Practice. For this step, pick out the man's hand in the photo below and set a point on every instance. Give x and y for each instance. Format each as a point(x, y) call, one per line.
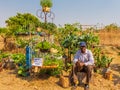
point(78, 63)
point(81, 64)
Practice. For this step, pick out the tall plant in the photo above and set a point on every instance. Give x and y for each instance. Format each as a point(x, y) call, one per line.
point(90, 38)
point(70, 42)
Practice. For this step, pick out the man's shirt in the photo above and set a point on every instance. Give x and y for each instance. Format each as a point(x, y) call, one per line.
point(86, 57)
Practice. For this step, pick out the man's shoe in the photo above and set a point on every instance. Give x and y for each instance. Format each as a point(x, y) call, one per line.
point(86, 87)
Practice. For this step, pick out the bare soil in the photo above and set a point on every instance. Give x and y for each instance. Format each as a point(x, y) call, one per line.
point(9, 80)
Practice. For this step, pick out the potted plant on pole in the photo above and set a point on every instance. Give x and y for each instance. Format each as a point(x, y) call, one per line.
point(46, 5)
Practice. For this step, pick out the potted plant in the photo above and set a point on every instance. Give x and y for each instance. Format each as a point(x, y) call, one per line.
point(44, 46)
point(46, 5)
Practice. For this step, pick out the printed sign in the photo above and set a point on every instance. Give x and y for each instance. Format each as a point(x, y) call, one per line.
point(38, 62)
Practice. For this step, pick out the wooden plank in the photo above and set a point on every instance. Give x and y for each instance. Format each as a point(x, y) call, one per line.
point(46, 67)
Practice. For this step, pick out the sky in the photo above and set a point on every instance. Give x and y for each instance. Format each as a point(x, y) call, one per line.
point(85, 12)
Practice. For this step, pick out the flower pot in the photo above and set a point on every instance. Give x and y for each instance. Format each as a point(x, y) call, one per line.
point(44, 50)
point(45, 9)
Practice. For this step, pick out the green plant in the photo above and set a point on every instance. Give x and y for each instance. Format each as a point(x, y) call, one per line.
point(46, 3)
point(44, 45)
point(19, 58)
point(90, 38)
point(50, 61)
point(70, 42)
point(4, 55)
point(103, 61)
point(23, 71)
point(22, 43)
point(58, 48)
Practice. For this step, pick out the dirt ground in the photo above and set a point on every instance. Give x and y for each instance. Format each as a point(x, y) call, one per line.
point(10, 81)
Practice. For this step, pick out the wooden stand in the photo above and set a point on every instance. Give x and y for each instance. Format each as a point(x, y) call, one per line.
point(36, 69)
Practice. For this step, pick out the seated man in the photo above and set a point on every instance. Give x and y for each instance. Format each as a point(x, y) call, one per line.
point(83, 62)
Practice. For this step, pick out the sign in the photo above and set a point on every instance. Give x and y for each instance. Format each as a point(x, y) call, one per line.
point(38, 62)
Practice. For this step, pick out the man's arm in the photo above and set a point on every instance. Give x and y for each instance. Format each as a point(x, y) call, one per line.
point(76, 57)
point(90, 58)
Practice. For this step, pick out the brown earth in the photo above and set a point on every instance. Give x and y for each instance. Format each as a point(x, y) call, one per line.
point(10, 81)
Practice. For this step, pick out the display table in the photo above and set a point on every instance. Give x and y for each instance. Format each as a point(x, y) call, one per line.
point(38, 68)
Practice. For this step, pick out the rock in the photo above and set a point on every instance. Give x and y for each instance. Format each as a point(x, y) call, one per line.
point(35, 87)
point(64, 81)
point(100, 80)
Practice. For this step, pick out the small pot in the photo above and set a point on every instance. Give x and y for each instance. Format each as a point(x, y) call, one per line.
point(45, 9)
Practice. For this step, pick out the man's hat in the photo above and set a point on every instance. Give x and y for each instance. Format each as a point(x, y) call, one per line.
point(82, 44)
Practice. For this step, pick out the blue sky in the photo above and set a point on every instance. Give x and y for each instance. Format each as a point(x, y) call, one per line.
point(67, 11)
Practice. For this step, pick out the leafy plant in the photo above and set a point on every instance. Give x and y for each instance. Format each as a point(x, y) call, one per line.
point(50, 61)
point(19, 58)
point(89, 38)
point(22, 23)
point(46, 3)
point(4, 55)
point(70, 42)
point(22, 43)
point(58, 48)
point(23, 71)
point(44, 45)
point(103, 61)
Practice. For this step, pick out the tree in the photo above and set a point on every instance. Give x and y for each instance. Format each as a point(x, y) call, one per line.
point(70, 42)
point(70, 28)
point(62, 32)
point(22, 23)
point(111, 27)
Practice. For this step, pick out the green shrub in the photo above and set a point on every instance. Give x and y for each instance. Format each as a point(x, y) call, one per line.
point(19, 58)
point(103, 61)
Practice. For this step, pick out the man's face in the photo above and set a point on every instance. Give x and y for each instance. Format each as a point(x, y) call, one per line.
point(83, 49)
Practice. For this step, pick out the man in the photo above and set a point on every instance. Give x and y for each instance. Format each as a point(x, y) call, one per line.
point(83, 62)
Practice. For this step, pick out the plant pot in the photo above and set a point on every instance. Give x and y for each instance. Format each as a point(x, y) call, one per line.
point(45, 9)
point(44, 50)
